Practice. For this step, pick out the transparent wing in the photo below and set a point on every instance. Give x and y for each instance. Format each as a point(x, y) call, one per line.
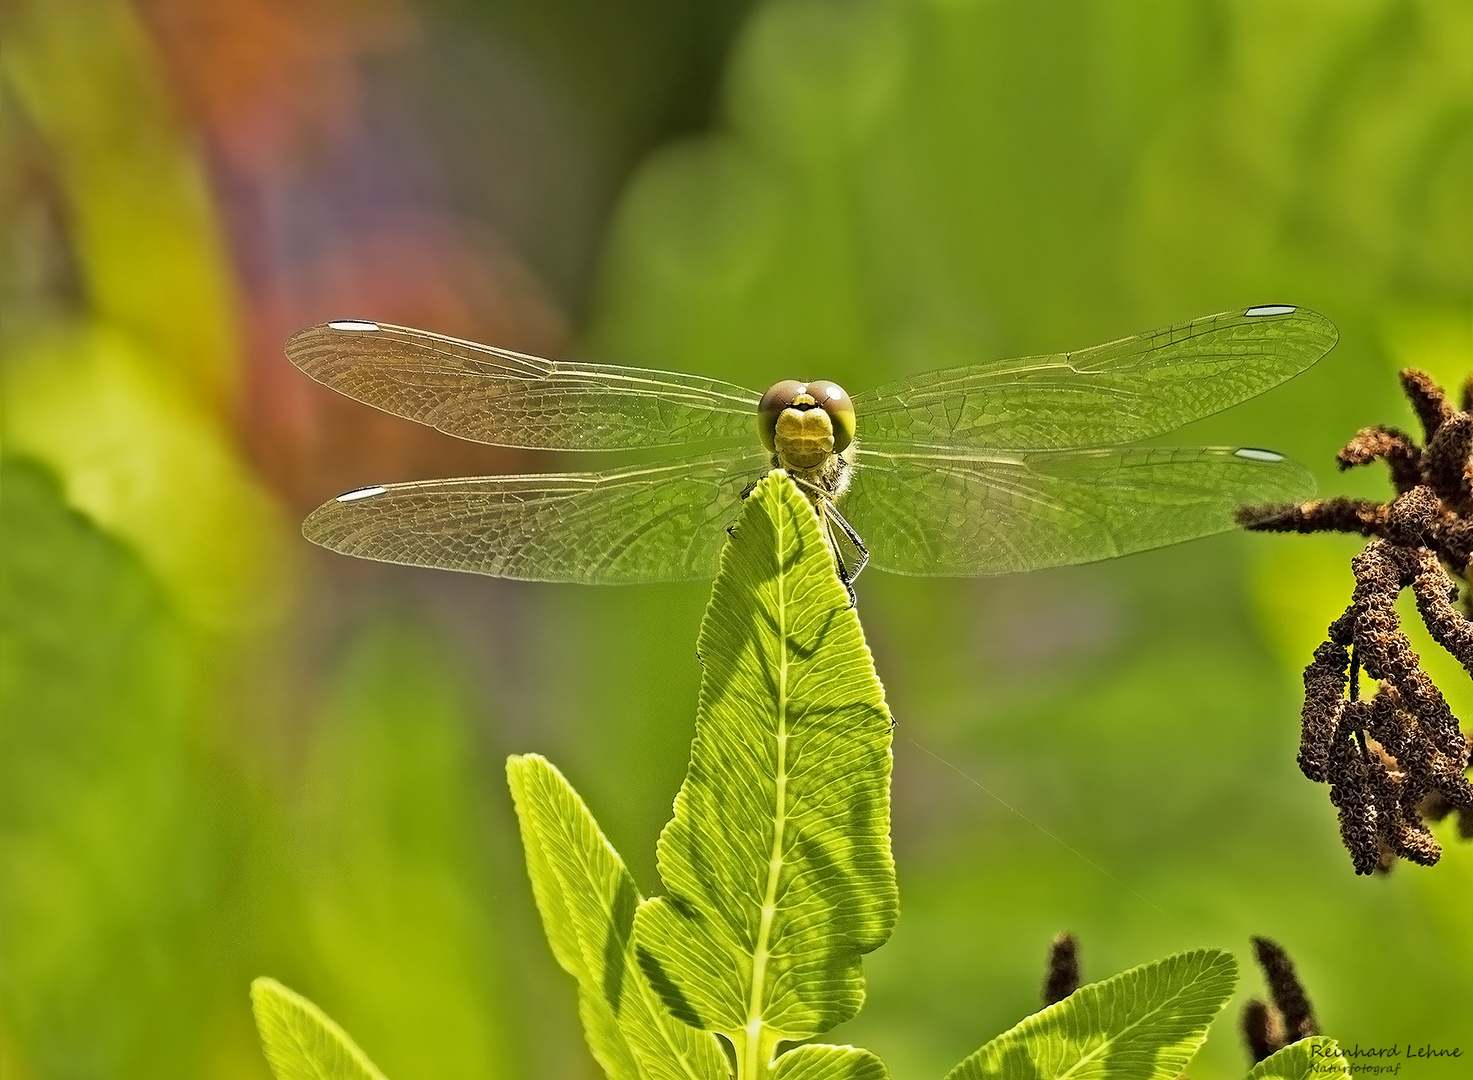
point(660, 523)
point(943, 512)
point(505, 398)
point(1104, 396)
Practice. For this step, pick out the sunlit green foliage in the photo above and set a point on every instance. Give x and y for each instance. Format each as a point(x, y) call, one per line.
point(588, 900)
point(139, 455)
point(1145, 1023)
point(109, 878)
point(885, 188)
point(301, 1041)
point(1315, 1057)
point(817, 1062)
point(777, 861)
point(778, 856)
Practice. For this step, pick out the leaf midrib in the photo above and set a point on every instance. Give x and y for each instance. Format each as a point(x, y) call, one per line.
point(760, 956)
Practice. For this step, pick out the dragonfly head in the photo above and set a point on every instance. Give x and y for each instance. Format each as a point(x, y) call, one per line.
point(803, 423)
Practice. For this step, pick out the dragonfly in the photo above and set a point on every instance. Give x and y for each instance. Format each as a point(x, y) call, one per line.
point(991, 468)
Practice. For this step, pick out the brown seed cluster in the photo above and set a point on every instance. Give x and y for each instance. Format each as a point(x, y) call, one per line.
point(1062, 976)
point(1398, 759)
point(1287, 1017)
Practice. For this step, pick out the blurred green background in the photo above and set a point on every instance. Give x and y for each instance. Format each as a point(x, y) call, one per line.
point(226, 754)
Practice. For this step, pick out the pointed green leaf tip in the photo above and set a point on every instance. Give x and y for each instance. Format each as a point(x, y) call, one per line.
point(1145, 1023)
point(777, 861)
point(1315, 1058)
point(587, 900)
point(301, 1041)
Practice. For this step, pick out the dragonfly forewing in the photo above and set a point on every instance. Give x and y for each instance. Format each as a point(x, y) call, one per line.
point(987, 469)
point(943, 512)
point(1108, 395)
point(505, 398)
point(642, 524)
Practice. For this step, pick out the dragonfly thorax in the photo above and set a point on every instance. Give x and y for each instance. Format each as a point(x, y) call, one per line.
point(804, 424)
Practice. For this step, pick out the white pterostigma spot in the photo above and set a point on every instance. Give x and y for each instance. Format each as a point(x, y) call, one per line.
point(352, 324)
point(1247, 453)
point(1272, 309)
point(362, 493)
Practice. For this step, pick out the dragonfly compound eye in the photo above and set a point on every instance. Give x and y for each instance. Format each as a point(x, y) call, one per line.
point(833, 400)
point(780, 397)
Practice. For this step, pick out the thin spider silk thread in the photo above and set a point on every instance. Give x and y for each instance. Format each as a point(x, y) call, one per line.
point(1056, 839)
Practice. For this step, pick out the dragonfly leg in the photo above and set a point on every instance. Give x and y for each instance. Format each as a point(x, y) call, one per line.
point(845, 578)
point(832, 512)
point(831, 518)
